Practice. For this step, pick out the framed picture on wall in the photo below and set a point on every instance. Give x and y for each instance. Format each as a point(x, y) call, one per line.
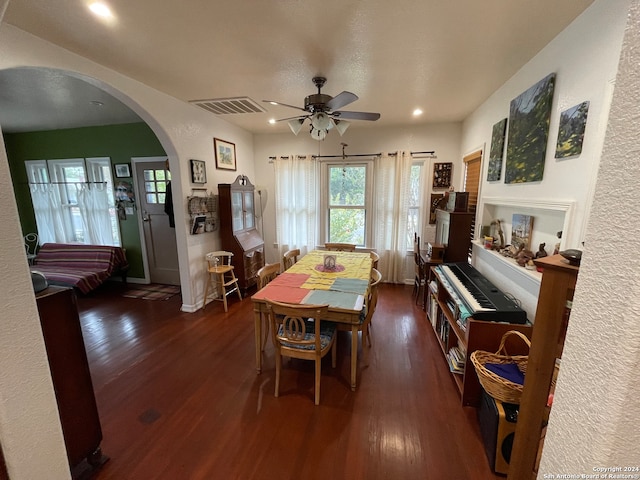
point(442, 175)
point(225, 154)
point(122, 170)
point(198, 171)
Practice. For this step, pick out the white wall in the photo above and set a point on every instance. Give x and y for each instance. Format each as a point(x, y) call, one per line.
point(443, 138)
point(185, 131)
point(585, 59)
point(594, 420)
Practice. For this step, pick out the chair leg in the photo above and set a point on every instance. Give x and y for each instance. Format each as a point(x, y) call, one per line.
point(334, 349)
point(206, 291)
point(278, 368)
point(224, 293)
point(318, 373)
point(238, 290)
point(266, 333)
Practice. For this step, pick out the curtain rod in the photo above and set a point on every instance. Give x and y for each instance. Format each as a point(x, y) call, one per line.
point(63, 183)
point(428, 154)
point(350, 155)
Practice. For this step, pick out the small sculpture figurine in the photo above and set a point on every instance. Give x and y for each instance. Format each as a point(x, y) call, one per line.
point(524, 256)
point(541, 251)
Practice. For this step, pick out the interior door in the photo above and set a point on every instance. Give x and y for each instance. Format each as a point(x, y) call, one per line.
point(159, 238)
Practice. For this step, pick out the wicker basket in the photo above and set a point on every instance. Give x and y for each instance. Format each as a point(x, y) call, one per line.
point(498, 387)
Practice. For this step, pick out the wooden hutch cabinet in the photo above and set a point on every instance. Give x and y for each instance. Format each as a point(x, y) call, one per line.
point(453, 229)
point(238, 229)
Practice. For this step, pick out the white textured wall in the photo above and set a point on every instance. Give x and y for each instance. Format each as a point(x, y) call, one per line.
point(595, 417)
point(184, 130)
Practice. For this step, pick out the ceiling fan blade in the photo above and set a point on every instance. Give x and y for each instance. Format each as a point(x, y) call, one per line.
point(342, 99)
point(291, 118)
point(357, 115)
point(272, 102)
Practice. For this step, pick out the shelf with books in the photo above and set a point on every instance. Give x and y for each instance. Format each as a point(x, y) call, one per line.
point(458, 337)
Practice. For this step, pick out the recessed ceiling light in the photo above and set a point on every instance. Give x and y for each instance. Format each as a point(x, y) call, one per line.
point(101, 9)
point(272, 121)
point(417, 112)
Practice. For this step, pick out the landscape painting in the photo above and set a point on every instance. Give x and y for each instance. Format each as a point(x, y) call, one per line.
point(497, 150)
point(571, 131)
point(529, 116)
point(521, 226)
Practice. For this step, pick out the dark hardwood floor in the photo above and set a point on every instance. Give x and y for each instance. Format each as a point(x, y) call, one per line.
point(179, 398)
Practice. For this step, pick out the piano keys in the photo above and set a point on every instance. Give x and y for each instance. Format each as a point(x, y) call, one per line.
point(480, 297)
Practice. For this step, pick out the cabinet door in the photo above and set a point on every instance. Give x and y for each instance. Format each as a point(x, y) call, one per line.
point(249, 218)
point(237, 214)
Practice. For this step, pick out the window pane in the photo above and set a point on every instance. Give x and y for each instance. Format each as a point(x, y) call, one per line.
point(414, 186)
point(347, 185)
point(161, 197)
point(149, 186)
point(148, 175)
point(151, 198)
point(412, 226)
point(160, 175)
point(347, 225)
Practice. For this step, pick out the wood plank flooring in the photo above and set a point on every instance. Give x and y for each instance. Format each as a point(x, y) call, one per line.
point(179, 398)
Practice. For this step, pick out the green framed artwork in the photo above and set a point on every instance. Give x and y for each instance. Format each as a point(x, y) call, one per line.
point(571, 131)
point(529, 116)
point(497, 150)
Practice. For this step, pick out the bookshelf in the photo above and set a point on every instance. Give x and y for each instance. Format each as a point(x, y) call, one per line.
point(556, 290)
point(456, 336)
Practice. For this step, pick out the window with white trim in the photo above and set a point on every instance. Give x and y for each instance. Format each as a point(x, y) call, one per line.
point(415, 210)
point(347, 201)
point(73, 200)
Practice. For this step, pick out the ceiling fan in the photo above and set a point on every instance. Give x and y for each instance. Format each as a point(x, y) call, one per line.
point(323, 111)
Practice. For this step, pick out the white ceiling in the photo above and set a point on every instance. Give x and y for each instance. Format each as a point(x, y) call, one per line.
point(445, 57)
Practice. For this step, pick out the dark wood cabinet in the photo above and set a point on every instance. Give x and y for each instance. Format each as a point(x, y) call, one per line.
point(71, 376)
point(453, 229)
point(238, 231)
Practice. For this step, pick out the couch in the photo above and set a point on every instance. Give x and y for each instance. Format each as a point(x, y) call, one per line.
point(84, 267)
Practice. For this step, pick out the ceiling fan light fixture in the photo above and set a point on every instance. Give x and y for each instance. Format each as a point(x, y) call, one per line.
point(341, 126)
point(318, 134)
point(321, 121)
point(296, 125)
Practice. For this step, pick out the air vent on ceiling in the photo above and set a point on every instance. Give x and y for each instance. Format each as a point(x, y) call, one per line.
point(225, 106)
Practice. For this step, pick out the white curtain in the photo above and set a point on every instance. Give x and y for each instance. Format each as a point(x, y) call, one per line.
point(391, 197)
point(52, 226)
point(93, 203)
point(297, 199)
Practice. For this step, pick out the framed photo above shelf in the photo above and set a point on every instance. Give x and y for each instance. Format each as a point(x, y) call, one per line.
point(122, 170)
point(225, 154)
point(198, 171)
point(442, 175)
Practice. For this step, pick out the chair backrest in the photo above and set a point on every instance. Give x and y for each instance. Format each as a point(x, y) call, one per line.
point(375, 258)
point(267, 273)
point(290, 257)
point(340, 247)
point(372, 297)
point(293, 319)
point(31, 243)
point(219, 258)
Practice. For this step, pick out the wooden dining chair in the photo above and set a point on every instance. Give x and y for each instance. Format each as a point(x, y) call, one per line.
point(375, 258)
point(298, 332)
point(290, 258)
point(220, 268)
point(340, 247)
point(367, 312)
point(265, 275)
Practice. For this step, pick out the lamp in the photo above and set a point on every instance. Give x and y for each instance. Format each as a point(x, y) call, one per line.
point(317, 134)
point(296, 125)
point(321, 121)
point(341, 126)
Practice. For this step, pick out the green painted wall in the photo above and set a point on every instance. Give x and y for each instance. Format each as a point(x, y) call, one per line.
point(119, 142)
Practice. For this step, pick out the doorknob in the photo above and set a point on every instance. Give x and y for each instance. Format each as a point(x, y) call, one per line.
point(145, 216)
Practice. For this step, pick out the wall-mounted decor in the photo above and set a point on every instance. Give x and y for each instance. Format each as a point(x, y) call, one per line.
point(124, 191)
point(436, 200)
point(122, 170)
point(571, 131)
point(529, 116)
point(225, 154)
point(497, 150)
point(198, 171)
point(521, 228)
point(442, 175)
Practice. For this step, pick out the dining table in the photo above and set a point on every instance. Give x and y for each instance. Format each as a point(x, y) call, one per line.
point(337, 279)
